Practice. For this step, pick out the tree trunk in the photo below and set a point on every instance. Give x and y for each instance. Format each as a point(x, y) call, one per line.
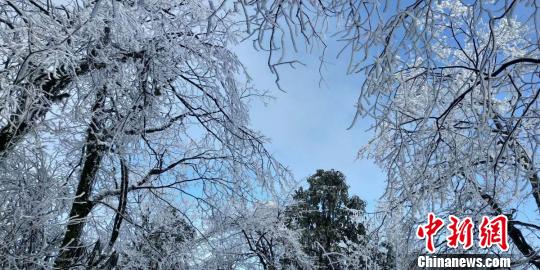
point(81, 207)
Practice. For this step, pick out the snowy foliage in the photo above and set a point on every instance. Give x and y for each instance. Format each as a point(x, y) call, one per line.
point(454, 95)
point(333, 226)
point(124, 125)
point(111, 105)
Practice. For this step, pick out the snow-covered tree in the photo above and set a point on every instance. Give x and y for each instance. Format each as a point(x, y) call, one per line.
point(333, 225)
point(111, 106)
point(454, 94)
point(108, 105)
point(269, 239)
point(164, 240)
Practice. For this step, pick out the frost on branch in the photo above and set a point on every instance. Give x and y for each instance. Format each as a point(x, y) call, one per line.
point(454, 94)
point(108, 106)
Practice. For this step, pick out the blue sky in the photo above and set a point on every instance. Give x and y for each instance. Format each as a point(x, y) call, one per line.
point(307, 124)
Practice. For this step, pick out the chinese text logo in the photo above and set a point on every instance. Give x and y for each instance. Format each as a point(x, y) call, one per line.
point(492, 232)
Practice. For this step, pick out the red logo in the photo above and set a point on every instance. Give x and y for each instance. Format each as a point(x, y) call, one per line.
point(491, 232)
point(494, 232)
point(429, 230)
point(460, 232)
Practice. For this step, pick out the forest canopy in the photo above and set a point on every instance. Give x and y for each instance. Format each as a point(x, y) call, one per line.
point(125, 134)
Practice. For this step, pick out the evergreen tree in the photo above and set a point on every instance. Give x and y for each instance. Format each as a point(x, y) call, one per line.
point(331, 225)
